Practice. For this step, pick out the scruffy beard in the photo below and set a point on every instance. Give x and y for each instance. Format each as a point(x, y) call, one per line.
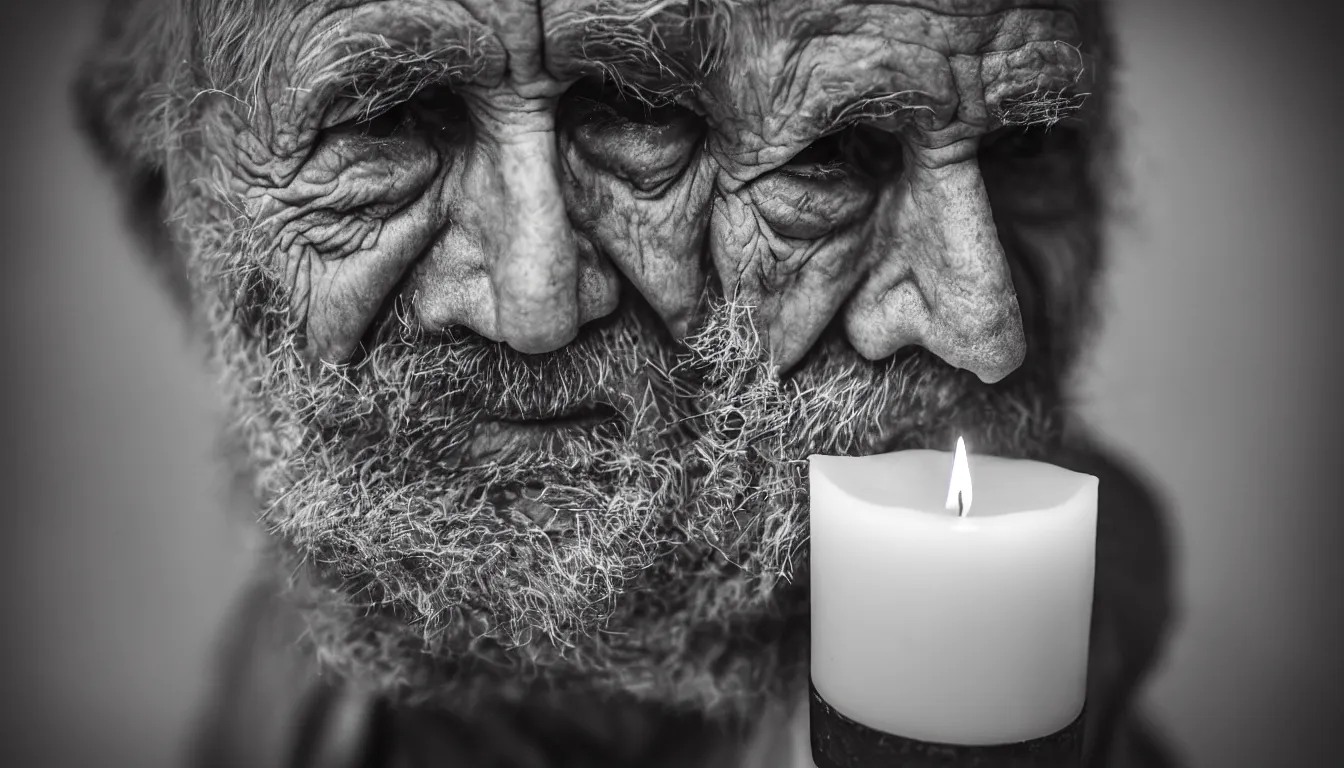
point(659, 554)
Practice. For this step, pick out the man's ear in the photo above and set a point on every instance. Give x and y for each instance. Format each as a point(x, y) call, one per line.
point(122, 96)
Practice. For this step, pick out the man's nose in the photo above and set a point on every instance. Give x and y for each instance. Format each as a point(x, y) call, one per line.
point(535, 275)
point(944, 281)
point(509, 264)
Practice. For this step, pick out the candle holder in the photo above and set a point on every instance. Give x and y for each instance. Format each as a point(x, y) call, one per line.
point(839, 742)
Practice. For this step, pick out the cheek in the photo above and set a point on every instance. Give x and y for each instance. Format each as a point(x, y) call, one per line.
point(339, 203)
point(796, 285)
point(655, 240)
point(809, 209)
point(341, 234)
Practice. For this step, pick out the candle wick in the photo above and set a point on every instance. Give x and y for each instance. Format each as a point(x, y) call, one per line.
point(961, 507)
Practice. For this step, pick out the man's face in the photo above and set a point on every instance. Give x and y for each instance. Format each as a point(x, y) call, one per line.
point(529, 312)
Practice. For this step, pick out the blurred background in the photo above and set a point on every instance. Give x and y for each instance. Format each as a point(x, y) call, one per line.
point(1217, 370)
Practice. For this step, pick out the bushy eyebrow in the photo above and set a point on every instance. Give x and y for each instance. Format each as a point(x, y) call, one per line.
point(375, 69)
point(874, 106)
point(1042, 107)
point(376, 73)
point(656, 50)
point(1038, 84)
point(361, 60)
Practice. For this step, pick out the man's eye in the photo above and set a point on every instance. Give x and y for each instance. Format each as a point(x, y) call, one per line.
point(824, 158)
point(647, 145)
point(442, 110)
point(857, 150)
point(600, 101)
point(1030, 142)
point(432, 110)
point(383, 125)
point(1035, 171)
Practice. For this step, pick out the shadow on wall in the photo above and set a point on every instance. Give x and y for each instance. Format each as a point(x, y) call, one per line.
point(1219, 365)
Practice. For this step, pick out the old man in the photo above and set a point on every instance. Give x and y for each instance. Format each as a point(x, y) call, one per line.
point(525, 313)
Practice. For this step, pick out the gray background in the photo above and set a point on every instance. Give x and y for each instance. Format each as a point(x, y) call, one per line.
point(1217, 369)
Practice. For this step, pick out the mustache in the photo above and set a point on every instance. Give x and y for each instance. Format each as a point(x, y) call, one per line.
point(613, 362)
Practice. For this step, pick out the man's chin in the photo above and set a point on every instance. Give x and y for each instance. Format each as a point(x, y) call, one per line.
point(715, 654)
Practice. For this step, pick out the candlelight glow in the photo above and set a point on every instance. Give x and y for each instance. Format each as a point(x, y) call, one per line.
point(959, 487)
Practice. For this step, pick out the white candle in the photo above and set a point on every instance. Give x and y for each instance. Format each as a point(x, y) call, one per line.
point(959, 629)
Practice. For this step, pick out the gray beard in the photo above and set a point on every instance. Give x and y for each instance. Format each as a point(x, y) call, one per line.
point(660, 555)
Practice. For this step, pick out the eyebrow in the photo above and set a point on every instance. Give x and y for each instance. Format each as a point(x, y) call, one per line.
point(890, 79)
point(1042, 107)
point(376, 71)
point(657, 50)
point(1040, 83)
point(876, 106)
point(1037, 84)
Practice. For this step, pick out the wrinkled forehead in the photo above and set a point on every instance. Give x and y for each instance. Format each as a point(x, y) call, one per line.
point(676, 43)
point(696, 33)
point(945, 57)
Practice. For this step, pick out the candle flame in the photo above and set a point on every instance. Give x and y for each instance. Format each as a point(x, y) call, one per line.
point(959, 487)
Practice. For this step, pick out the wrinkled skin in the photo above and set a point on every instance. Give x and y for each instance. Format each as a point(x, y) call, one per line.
point(526, 312)
point(511, 205)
